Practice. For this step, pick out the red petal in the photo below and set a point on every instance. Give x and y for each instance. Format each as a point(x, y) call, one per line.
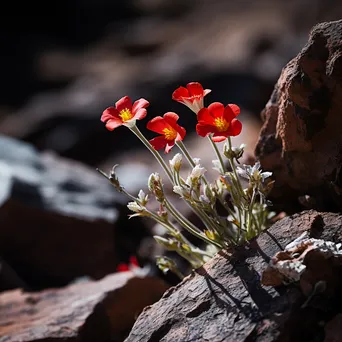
point(181, 133)
point(139, 104)
point(157, 124)
point(218, 137)
point(109, 113)
point(216, 109)
point(171, 118)
point(169, 146)
point(113, 123)
point(158, 142)
point(235, 108)
point(195, 89)
point(122, 268)
point(204, 116)
point(123, 103)
point(179, 93)
point(141, 113)
point(235, 128)
point(204, 130)
point(228, 114)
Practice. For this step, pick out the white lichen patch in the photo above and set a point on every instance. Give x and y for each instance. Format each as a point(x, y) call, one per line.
point(290, 262)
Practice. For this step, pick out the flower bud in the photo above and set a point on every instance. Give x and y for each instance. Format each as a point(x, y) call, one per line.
point(196, 173)
point(182, 192)
point(217, 165)
point(165, 264)
point(169, 244)
point(113, 178)
point(156, 187)
point(143, 198)
point(135, 207)
point(176, 162)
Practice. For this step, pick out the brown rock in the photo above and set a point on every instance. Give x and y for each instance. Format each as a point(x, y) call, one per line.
point(59, 220)
point(333, 329)
point(89, 311)
point(225, 301)
point(301, 139)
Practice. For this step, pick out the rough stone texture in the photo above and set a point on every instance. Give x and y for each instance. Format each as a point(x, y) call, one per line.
point(59, 219)
point(301, 139)
point(98, 311)
point(225, 301)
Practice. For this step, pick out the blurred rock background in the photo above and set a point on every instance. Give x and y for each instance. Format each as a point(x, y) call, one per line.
point(62, 64)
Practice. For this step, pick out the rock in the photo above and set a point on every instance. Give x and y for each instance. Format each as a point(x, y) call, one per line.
point(60, 220)
point(225, 301)
point(300, 141)
point(88, 311)
point(333, 329)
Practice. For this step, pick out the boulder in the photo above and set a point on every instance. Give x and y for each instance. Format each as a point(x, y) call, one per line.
point(225, 300)
point(59, 220)
point(301, 141)
point(88, 311)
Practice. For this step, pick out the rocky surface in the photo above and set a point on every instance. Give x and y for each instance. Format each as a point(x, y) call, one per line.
point(89, 311)
point(300, 140)
point(225, 301)
point(59, 220)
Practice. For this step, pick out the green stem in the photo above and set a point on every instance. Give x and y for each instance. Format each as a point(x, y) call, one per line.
point(232, 165)
point(160, 160)
point(188, 157)
point(218, 154)
point(188, 225)
point(250, 213)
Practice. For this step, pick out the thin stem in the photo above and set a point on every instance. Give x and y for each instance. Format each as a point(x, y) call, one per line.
point(232, 165)
point(218, 154)
point(161, 161)
point(188, 157)
point(250, 213)
point(188, 225)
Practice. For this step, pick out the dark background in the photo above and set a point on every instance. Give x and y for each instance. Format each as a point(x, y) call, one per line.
point(62, 63)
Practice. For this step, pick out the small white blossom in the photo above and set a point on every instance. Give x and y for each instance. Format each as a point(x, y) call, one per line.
point(197, 172)
point(179, 190)
point(143, 198)
point(196, 160)
point(176, 162)
point(253, 173)
point(135, 207)
point(217, 165)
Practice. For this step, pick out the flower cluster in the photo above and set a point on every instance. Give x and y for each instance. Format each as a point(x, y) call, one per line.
point(246, 209)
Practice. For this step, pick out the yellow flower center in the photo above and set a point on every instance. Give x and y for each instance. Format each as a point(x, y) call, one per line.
point(126, 115)
point(221, 124)
point(170, 133)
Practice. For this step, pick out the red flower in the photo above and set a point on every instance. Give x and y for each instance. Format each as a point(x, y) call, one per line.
point(219, 120)
point(168, 128)
point(133, 263)
point(124, 113)
point(191, 96)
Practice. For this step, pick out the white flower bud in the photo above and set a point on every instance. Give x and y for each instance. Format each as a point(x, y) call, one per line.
point(176, 162)
point(135, 207)
point(143, 198)
point(196, 160)
point(217, 165)
point(197, 172)
point(177, 189)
